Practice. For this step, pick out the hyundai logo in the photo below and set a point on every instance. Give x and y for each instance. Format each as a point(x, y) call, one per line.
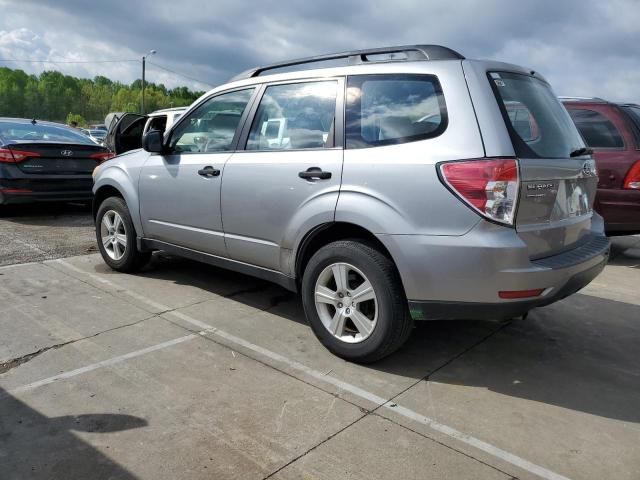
point(66, 153)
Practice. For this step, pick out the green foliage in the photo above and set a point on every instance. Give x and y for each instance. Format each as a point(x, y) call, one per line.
point(79, 119)
point(53, 96)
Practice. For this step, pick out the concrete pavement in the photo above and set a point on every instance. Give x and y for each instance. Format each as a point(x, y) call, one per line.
point(187, 371)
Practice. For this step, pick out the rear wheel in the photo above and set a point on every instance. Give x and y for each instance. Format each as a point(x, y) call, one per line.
point(116, 237)
point(353, 299)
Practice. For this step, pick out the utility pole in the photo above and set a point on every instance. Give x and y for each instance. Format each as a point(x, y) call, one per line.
point(144, 59)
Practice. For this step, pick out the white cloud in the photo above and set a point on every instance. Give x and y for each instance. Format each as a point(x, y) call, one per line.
point(584, 47)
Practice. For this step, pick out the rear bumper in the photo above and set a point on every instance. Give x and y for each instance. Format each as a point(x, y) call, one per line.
point(432, 310)
point(620, 210)
point(17, 187)
point(461, 277)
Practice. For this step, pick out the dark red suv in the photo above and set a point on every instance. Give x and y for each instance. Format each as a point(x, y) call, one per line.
point(613, 132)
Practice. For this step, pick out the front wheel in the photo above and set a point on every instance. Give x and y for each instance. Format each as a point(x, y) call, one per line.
point(354, 301)
point(116, 237)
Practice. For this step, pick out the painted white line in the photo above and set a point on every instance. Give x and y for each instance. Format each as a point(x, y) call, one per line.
point(357, 391)
point(155, 305)
point(95, 366)
point(477, 443)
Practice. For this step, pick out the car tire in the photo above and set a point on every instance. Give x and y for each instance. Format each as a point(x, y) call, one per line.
point(116, 237)
point(331, 308)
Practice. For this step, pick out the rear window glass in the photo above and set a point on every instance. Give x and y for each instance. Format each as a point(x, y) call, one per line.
point(393, 109)
point(539, 125)
point(596, 129)
point(28, 132)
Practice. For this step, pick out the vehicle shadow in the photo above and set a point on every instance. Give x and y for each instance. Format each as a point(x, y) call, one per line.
point(33, 445)
point(44, 214)
point(580, 353)
point(625, 251)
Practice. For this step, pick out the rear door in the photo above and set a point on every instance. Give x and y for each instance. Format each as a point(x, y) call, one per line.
point(289, 174)
point(558, 180)
point(180, 191)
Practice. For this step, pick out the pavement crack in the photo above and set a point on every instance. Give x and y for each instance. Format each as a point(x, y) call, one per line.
point(427, 437)
point(16, 362)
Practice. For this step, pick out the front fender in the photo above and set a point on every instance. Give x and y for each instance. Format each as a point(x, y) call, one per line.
point(119, 178)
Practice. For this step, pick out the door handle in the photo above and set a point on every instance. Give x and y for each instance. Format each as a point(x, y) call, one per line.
point(314, 172)
point(209, 171)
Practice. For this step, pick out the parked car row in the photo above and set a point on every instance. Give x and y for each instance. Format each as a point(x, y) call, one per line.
point(386, 186)
point(45, 161)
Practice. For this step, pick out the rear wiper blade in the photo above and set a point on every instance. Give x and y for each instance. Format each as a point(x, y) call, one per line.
point(581, 151)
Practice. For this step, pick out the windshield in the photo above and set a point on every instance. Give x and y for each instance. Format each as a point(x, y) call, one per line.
point(539, 125)
point(28, 132)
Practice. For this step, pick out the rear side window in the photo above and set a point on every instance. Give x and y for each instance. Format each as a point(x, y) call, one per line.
point(393, 109)
point(633, 112)
point(596, 129)
point(295, 116)
point(538, 124)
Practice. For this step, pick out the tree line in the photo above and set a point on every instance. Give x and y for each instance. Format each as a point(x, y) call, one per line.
point(58, 97)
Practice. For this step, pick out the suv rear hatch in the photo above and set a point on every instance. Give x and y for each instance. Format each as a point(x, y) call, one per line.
point(558, 179)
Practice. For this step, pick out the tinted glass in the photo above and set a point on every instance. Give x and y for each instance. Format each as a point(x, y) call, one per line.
point(295, 116)
point(596, 129)
point(392, 109)
point(539, 125)
point(27, 132)
point(634, 113)
point(212, 126)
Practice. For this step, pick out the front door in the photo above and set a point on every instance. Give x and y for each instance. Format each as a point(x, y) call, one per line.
point(180, 191)
point(288, 175)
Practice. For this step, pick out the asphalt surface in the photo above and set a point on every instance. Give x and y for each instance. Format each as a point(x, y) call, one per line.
point(30, 233)
point(188, 371)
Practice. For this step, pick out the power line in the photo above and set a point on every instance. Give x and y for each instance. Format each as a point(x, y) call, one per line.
point(179, 74)
point(65, 61)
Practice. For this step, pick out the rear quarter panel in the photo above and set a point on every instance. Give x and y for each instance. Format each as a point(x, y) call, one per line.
point(395, 189)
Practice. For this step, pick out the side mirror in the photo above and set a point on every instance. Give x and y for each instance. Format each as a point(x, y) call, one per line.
point(152, 141)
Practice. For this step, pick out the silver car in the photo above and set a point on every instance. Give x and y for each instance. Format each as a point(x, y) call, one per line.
point(386, 186)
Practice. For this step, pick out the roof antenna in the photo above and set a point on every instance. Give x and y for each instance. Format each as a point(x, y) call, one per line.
point(33, 122)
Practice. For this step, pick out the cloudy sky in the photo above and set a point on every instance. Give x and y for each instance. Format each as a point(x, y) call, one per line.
point(584, 47)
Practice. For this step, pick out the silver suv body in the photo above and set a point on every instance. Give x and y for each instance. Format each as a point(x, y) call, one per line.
point(409, 183)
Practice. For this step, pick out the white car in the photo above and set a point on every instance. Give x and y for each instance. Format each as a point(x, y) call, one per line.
point(127, 129)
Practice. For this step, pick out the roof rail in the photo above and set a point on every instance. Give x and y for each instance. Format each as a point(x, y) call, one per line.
point(578, 99)
point(356, 57)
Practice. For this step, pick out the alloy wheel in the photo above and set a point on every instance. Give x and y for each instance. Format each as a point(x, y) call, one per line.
point(346, 302)
point(114, 235)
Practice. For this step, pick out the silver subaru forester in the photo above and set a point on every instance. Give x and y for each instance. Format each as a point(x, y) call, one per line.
point(386, 185)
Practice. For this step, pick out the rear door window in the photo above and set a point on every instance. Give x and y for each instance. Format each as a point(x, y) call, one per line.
point(393, 109)
point(295, 116)
point(596, 129)
point(538, 124)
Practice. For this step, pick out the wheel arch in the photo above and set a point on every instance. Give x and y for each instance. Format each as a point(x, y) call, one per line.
point(326, 233)
point(116, 182)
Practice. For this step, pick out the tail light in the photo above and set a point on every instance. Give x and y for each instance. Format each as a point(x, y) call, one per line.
point(632, 180)
point(102, 156)
point(488, 185)
point(8, 155)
